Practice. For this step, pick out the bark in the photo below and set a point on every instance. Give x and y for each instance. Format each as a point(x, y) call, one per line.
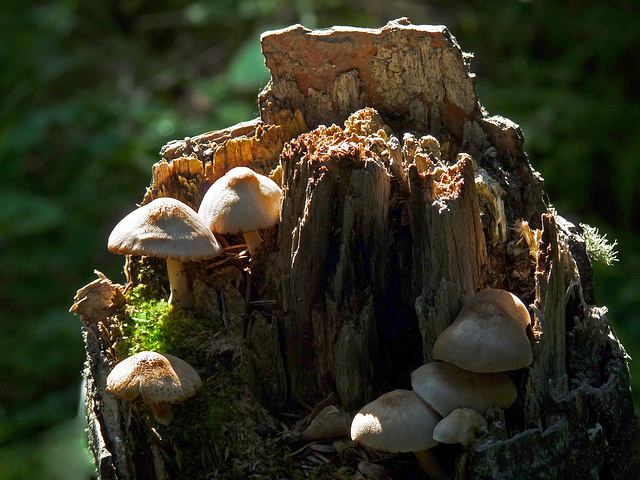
point(401, 200)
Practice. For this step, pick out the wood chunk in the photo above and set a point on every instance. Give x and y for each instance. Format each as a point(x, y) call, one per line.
point(415, 74)
point(548, 373)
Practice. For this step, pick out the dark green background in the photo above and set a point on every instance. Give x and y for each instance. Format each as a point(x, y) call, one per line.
point(91, 90)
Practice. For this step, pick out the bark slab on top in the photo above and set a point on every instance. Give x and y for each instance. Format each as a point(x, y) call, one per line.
point(413, 74)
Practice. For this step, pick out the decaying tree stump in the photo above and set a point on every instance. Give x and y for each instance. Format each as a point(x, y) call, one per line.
point(402, 198)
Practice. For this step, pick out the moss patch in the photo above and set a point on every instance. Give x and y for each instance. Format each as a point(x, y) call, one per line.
point(222, 424)
point(142, 328)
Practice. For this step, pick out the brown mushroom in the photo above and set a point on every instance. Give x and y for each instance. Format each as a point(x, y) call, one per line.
point(488, 335)
point(459, 426)
point(446, 387)
point(398, 421)
point(169, 229)
point(329, 423)
point(161, 379)
point(242, 201)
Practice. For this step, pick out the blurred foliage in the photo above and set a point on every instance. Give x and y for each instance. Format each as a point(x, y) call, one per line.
point(90, 91)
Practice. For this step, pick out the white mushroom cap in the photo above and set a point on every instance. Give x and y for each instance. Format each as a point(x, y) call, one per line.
point(398, 421)
point(459, 426)
point(159, 378)
point(489, 334)
point(446, 387)
point(165, 228)
point(241, 201)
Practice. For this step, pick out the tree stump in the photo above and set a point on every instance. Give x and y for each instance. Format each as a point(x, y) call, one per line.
point(402, 198)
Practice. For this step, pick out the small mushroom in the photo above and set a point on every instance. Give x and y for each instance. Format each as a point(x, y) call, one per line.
point(161, 379)
point(459, 426)
point(398, 421)
point(169, 229)
point(488, 335)
point(329, 423)
point(446, 387)
point(242, 201)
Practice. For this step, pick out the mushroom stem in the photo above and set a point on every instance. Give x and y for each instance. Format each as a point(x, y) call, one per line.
point(430, 465)
point(253, 240)
point(163, 411)
point(179, 284)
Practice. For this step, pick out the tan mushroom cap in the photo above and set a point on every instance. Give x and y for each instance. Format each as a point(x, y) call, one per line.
point(398, 421)
point(329, 423)
point(489, 334)
point(165, 228)
point(459, 426)
point(241, 201)
point(446, 387)
point(159, 378)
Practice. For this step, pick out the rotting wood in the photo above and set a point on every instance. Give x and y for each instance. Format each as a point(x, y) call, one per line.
point(547, 375)
point(97, 305)
point(383, 235)
point(451, 252)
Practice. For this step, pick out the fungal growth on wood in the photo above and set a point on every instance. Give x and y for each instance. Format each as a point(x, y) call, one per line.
point(399, 200)
point(398, 421)
point(488, 335)
point(242, 201)
point(169, 229)
point(160, 379)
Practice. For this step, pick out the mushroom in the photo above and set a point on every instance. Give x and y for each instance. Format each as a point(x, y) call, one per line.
point(488, 335)
point(169, 229)
point(459, 426)
point(398, 421)
point(446, 387)
point(329, 423)
point(242, 201)
point(161, 379)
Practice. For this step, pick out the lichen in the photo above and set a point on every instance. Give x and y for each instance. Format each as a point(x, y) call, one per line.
point(598, 246)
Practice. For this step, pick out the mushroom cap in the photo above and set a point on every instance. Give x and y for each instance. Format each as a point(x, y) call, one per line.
point(158, 377)
point(459, 426)
point(489, 334)
point(329, 423)
point(446, 387)
point(164, 228)
point(241, 201)
point(398, 421)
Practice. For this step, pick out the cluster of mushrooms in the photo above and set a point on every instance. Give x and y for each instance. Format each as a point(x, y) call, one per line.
point(451, 395)
point(242, 201)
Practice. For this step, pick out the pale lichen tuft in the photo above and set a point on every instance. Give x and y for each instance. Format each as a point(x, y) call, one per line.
point(598, 247)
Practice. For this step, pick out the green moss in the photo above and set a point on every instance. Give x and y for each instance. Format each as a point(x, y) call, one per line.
point(218, 412)
point(219, 425)
point(203, 420)
point(211, 420)
point(152, 324)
